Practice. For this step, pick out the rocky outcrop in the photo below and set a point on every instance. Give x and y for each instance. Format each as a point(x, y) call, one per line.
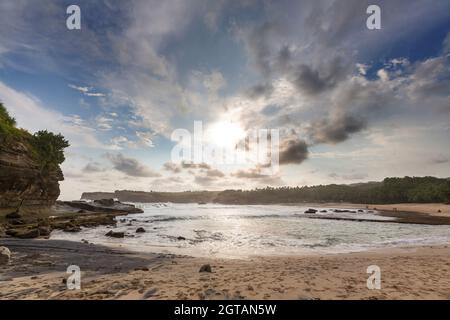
point(5, 255)
point(114, 234)
point(22, 181)
point(104, 205)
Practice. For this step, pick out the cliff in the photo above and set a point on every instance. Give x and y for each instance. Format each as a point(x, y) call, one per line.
point(29, 165)
point(23, 180)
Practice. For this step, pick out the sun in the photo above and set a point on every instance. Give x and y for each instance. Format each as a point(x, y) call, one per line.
point(225, 134)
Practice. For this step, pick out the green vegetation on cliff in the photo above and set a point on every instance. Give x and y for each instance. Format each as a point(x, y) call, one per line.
point(47, 147)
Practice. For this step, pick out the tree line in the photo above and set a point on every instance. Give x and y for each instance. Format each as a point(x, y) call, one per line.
point(390, 190)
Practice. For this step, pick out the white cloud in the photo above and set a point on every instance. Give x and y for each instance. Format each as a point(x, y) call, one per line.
point(383, 75)
point(86, 91)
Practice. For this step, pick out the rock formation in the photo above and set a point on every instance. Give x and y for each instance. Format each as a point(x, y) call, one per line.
point(22, 181)
point(29, 166)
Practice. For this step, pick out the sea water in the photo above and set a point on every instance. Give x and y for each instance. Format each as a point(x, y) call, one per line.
point(241, 231)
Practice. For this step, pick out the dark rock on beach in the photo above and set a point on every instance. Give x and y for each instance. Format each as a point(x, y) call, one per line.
point(115, 234)
point(44, 231)
point(140, 230)
point(311, 210)
point(28, 234)
point(108, 205)
point(205, 268)
point(72, 228)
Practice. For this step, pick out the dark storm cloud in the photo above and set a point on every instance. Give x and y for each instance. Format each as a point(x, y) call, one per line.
point(293, 151)
point(315, 81)
point(260, 90)
point(130, 166)
point(336, 130)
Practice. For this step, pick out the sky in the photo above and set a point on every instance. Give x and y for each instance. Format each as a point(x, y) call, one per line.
point(350, 104)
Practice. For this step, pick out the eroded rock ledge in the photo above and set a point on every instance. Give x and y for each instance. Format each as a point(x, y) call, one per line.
point(69, 216)
point(23, 182)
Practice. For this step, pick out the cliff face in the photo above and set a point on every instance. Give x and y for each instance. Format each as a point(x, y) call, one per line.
point(21, 178)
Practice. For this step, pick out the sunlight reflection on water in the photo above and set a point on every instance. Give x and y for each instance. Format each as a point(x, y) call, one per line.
point(237, 231)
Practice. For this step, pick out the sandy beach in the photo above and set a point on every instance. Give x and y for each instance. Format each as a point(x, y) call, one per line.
point(434, 209)
point(406, 273)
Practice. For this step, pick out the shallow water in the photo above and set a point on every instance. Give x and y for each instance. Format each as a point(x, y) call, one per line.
point(239, 231)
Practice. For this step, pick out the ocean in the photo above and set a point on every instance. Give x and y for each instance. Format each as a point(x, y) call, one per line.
point(243, 231)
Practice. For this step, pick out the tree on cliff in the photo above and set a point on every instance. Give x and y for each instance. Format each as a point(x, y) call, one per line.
point(50, 147)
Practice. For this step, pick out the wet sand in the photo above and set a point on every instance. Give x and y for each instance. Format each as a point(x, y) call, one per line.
point(423, 208)
point(413, 213)
point(37, 271)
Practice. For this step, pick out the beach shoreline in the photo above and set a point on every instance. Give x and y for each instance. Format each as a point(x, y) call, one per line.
point(37, 270)
point(414, 272)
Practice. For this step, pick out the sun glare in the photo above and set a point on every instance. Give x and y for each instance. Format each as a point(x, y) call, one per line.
point(225, 133)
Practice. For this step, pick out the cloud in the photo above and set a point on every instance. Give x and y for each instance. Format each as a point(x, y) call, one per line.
point(95, 94)
point(257, 175)
point(215, 173)
point(130, 166)
point(178, 167)
point(205, 180)
point(191, 165)
point(104, 123)
point(260, 90)
point(315, 81)
point(293, 151)
point(336, 129)
point(383, 75)
point(170, 166)
point(446, 44)
point(351, 176)
point(81, 89)
point(93, 167)
point(145, 138)
point(440, 159)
